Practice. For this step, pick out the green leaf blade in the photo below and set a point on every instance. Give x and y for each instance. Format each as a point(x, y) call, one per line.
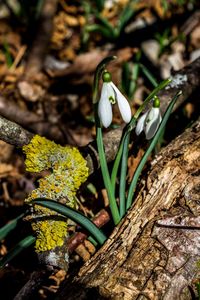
point(5, 230)
point(73, 215)
point(19, 247)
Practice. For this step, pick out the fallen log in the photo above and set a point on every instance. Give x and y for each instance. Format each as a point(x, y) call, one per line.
point(154, 253)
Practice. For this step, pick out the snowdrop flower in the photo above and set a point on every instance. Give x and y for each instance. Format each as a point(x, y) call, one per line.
point(111, 95)
point(150, 120)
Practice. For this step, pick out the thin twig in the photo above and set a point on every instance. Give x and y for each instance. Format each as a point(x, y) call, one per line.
point(13, 133)
point(38, 277)
point(78, 238)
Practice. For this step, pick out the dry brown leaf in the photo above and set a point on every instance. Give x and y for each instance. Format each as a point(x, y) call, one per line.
point(5, 151)
point(71, 20)
point(105, 197)
point(195, 37)
point(90, 247)
point(83, 252)
point(30, 91)
point(133, 163)
point(58, 278)
point(8, 170)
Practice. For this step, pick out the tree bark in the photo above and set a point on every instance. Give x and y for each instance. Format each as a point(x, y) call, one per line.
point(154, 253)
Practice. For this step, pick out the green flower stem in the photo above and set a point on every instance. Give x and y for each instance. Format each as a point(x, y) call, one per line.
point(151, 95)
point(122, 183)
point(134, 78)
point(134, 74)
point(106, 177)
point(116, 165)
point(99, 138)
point(73, 215)
point(148, 152)
point(119, 153)
point(97, 76)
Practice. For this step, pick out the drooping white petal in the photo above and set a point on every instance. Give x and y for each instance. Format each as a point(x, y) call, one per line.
point(105, 107)
point(140, 124)
point(160, 119)
point(152, 122)
point(123, 104)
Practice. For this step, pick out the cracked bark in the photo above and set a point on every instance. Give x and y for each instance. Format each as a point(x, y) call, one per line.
point(154, 252)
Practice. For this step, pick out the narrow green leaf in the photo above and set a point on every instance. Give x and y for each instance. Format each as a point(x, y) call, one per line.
point(198, 289)
point(134, 78)
point(5, 230)
point(118, 157)
point(122, 182)
point(129, 128)
point(162, 85)
point(93, 241)
point(149, 75)
point(125, 80)
point(106, 177)
point(100, 29)
point(100, 4)
point(125, 16)
point(108, 27)
point(73, 215)
point(148, 151)
point(38, 8)
point(116, 165)
point(92, 188)
point(19, 247)
point(8, 55)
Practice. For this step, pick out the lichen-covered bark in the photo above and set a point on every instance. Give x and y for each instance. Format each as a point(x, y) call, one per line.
point(13, 133)
point(154, 253)
point(187, 80)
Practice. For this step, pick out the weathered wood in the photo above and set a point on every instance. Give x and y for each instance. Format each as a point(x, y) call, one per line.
point(154, 253)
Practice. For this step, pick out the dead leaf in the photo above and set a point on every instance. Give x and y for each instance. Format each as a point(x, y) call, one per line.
point(8, 170)
point(5, 151)
point(30, 91)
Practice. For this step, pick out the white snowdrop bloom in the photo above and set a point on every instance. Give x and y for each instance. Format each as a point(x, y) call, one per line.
point(109, 96)
point(150, 121)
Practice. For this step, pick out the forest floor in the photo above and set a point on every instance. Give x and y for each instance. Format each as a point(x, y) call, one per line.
point(48, 57)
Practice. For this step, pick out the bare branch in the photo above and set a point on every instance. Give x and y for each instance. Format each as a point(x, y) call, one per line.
point(13, 133)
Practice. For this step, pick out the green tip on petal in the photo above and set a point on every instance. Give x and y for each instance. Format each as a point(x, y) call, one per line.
point(106, 76)
point(156, 102)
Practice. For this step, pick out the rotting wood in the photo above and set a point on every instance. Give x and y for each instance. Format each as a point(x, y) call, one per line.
point(154, 253)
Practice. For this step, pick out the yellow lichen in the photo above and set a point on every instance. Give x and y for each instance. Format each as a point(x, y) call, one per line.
point(50, 234)
point(68, 171)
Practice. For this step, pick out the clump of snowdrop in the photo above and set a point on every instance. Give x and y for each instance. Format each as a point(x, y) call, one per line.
point(110, 95)
point(150, 120)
